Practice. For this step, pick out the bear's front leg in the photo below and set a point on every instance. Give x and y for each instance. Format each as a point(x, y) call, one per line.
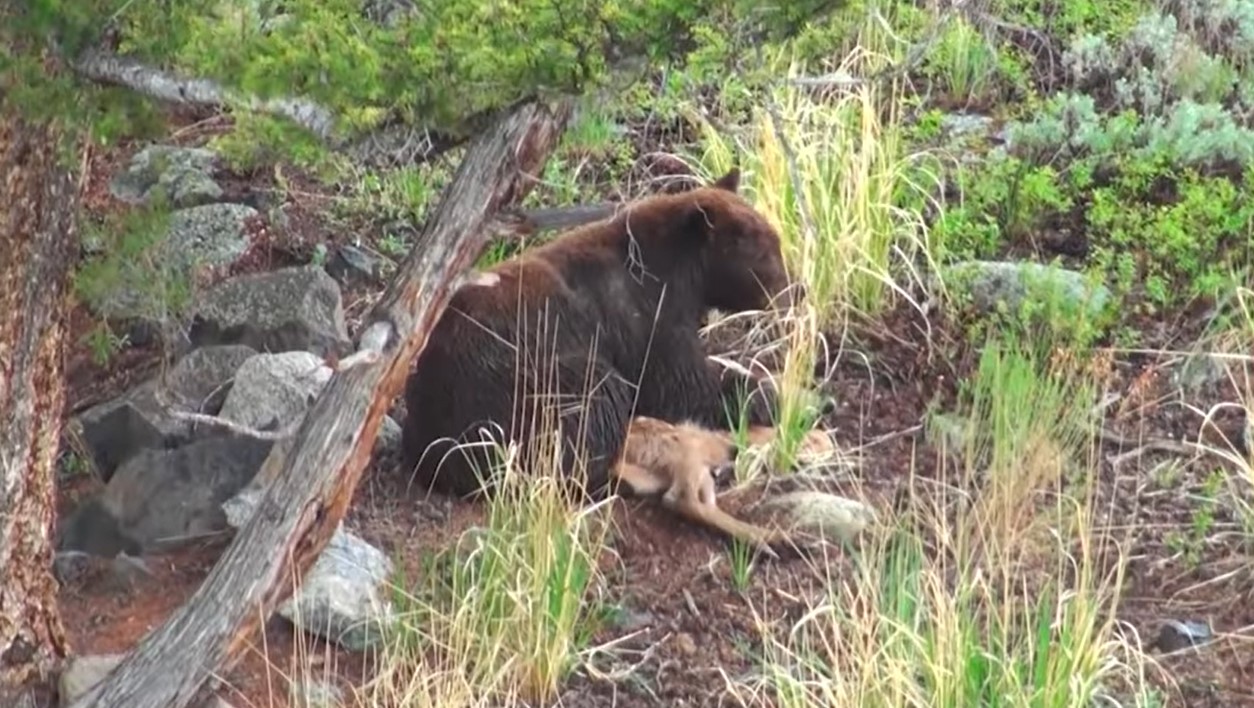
point(745, 398)
point(680, 384)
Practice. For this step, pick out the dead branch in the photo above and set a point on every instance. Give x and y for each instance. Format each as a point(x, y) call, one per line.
point(314, 477)
point(128, 72)
point(516, 223)
point(162, 85)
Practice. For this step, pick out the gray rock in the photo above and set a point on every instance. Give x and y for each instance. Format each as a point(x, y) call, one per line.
point(285, 310)
point(69, 567)
point(84, 672)
point(1199, 371)
point(1175, 635)
point(316, 694)
point(94, 529)
point(343, 597)
point(115, 430)
point(991, 283)
point(350, 265)
point(273, 391)
point(163, 498)
point(949, 430)
point(389, 12)
point(126, 571)
point(209, 235)
point(239, 508)
point(184, 175)
point(212, 235)
point(388, 441)
point(634, 621)
point(960, 125)
point(116, 574)
point(816, 512)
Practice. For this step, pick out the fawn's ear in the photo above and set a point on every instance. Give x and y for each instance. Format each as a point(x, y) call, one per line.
point(729, 181)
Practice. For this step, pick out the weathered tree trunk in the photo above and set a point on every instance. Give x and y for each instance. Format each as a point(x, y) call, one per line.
point(37, 243)
point(313, 478)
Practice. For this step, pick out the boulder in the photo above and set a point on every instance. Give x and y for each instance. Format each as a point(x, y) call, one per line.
point(84, 672)
point(991, 284)
point(813, 512)
point(211, 235)
point(141, 418)
point(161, 499)
point(273, 391)
point(183, 175)
point(343, 598)
point(291, 309)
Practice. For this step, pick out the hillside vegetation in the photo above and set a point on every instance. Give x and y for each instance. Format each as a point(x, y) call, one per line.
point(1061, 457)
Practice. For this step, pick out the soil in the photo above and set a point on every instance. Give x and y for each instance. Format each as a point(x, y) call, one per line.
point(691, 627)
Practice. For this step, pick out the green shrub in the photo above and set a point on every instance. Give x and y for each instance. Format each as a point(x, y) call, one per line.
point(1004, 199)
point(1185, 248)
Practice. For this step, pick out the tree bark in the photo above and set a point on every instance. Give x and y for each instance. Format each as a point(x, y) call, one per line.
point(313, 478)
point(390, 144)
point(37, 240)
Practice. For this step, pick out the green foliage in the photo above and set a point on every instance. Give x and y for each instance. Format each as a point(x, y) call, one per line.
point(257, 139)
point(1066, 18)
point(1050, 313)
point(1159, 198)
point(444, 64)
point(1182, 249)
point(1002, 199)
point(440, 67)
point(405, 194)
point(964, 64)
point(1070, 128)
point(130, 273)
point(1200, 52)
point(592, 133)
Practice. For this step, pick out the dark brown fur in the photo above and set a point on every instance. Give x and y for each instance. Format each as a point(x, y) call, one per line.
point(608, 312)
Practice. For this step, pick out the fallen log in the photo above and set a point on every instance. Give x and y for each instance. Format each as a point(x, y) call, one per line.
point(315, 473)
point(526, 222)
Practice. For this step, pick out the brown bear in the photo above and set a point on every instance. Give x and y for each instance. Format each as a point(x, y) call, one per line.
point(597, 326)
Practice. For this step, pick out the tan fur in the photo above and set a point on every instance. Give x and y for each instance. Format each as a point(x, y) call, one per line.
point(679, 461)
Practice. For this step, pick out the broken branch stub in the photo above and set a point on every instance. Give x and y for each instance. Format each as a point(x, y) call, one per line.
point(312, 479)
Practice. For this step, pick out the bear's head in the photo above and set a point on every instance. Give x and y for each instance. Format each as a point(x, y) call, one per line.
point(742, 261)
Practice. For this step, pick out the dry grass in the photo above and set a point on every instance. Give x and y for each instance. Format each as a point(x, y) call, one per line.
point(995, 586)
point(504, 615)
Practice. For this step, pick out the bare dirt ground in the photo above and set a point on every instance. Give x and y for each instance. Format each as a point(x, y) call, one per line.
point(691, 627)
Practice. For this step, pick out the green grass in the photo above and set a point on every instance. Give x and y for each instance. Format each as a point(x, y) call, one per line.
point(964, 64)
point(506, 611)
point(996, 580)
point(993, 596)
point(740, 555)
point(826, 173)
point(1231, 345)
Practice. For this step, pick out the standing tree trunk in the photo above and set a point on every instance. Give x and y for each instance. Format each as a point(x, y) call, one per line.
point(37, 240)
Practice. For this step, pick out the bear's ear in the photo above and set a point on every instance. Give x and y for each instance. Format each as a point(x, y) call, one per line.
point(729, 181)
